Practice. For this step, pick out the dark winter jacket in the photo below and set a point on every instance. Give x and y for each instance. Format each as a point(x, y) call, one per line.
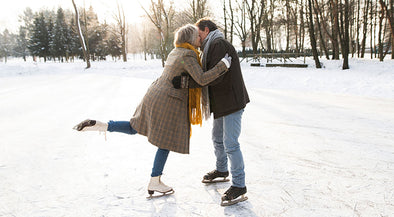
point(228, 92)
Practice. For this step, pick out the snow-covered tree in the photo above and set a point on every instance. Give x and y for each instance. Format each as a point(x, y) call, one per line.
point(40, 38)
point(21, 49)
point(61, 37)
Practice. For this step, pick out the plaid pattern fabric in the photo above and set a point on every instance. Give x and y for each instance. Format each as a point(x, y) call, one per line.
point(162, 115)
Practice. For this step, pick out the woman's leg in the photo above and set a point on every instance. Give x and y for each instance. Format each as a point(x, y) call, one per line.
point(160, 161)
point(155, 184)
point(121, 127)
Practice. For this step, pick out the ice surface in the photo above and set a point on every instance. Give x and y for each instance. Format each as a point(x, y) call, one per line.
point(315, 143)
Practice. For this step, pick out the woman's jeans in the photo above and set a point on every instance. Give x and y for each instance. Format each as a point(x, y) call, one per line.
point(161, 154)
point(225, 133)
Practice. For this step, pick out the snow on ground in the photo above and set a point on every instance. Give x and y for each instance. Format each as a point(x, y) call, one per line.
point(315, 143)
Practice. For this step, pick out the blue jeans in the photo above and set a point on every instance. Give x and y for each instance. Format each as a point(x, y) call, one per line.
point(161, 154)
point(225, 133)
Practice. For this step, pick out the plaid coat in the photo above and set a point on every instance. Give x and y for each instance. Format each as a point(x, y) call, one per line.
point(163, 115)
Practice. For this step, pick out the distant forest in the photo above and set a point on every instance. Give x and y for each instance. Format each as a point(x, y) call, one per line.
point(331, 29)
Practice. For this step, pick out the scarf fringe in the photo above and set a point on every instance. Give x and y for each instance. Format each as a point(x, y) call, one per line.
point(195, 96)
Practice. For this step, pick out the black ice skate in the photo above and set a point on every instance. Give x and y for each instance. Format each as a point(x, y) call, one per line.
point(215, 176)
point(233, 195)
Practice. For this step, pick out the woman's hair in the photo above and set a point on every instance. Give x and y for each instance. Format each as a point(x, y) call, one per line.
point(186, 34)
point(206, 22)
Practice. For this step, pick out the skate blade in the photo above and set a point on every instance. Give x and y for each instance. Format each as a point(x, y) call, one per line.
point(215, 180)
point(161, 194)
point(235, 201)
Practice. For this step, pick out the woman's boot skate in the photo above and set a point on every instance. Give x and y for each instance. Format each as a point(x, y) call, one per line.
point(155, 185)
point(91, 125)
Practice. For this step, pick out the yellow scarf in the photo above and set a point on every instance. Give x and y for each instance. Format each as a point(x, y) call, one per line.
point(195, 115)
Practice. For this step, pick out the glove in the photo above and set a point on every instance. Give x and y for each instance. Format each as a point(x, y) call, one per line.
point(181, 81)
point(227, 60)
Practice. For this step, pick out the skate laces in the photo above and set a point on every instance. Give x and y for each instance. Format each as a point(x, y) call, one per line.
point(105, 134)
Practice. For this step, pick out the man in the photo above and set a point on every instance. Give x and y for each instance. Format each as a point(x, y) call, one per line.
point(227, 98)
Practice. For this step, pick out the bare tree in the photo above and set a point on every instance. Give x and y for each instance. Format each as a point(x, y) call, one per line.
point(121, 30)
point(195, 10)
point(312, 35)
point(389, 14)
point(228, 14)
point(240, 25)
point(287, 24)
point(81, 38)
point(255, 11)
point(346, 38)
point(319, 26)
point(380, 43)
point(225, 18)
point(198, 9)
point(357, 24)
point(302, 26)
point(162, 18)
point(231, 21)
point(365, 27)
point(296, 27)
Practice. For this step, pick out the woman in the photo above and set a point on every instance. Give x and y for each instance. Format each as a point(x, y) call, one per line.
point(165, 113)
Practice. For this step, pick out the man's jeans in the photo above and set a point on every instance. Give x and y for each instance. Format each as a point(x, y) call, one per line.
point(225, 133)
point(161, 154)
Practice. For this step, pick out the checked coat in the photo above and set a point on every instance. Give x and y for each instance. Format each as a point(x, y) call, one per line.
point(163, 115)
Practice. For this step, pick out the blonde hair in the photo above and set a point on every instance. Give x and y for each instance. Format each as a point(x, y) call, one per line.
point(186, 34)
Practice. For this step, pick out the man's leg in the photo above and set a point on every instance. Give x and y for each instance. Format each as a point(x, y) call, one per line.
point(231, 133)
point(217, 138)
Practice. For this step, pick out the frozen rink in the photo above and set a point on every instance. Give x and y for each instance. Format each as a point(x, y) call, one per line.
point(315, 143)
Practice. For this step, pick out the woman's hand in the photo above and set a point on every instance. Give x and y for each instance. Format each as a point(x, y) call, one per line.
point(227, 60)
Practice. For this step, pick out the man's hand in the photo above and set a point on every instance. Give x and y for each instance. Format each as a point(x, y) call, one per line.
point(181, 82)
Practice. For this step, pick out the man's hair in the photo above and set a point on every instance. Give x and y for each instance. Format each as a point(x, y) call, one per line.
point(206, 22)
point(186, 34)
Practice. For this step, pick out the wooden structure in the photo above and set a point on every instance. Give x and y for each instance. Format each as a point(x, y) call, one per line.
point(284, 59)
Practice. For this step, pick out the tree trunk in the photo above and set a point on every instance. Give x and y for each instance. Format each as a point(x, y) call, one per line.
point(122, 30)
point(365, 28)
point(312, 36)
point(81, 38)
point(302, 30)
point(295, 24)
point(358, 47)
point(346, 38)
point(287, 25)
point(231, 22)
point(225, 19)
point(392, 34)
point(162, 18)
point(372, 31)
point(380, 39)
point(335, 29)
point(390, 18)
point(388, 14)
point(240, 27)
point(255, 12)
point(323, 44)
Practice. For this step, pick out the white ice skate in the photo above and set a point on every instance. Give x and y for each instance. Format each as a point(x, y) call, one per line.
point(156, 185)
point(91, 125)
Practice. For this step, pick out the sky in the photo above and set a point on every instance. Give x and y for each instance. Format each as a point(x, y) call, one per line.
point(104, 9)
